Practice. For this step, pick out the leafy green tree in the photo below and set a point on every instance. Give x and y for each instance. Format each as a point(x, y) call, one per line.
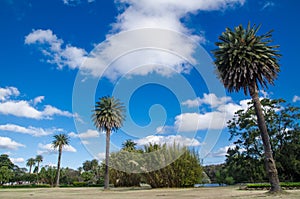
point(5, 161)
point(246, 61)
point(48, 174)
point(211, 171)
point(59, 142)
point(19, 174)
point(6, 175)
point(68, 176)
point(30, 163)
point(92, 167)
point(245, 161)
point(87, 176)
point(108, 115)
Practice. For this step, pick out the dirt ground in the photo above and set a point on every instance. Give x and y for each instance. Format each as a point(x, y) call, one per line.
point(127, 193)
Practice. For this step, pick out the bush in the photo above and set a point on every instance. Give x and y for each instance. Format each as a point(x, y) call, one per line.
point(84, 184)
point(80, 184)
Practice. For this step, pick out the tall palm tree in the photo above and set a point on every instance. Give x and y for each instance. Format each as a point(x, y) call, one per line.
point(59, 142)
point(30, 163)
point(38, 159)
point(246, 61)
point(108, 115)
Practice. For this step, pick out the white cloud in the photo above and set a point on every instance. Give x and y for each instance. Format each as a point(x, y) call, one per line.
point(17, 160)
point(296, 98)
point(44, 37)
point(138, 52)
point(53, 49)
point(188, 122)
point(6, 93)
point(50, 111)
point(268, 4)
point(100, 156)
point(165, 13)
point(216, 119)
point(8, 143)
point(221, 152)
point(20, 109)
point(169, 140)
point(23, 108)
point(38, 100)
point(75, 2)
point(164, 129)
point(209, 99)
point(88, 134)
point(48, 149)
point(37, 132)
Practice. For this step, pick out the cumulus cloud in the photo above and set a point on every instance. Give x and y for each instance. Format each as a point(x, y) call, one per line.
point(54, 50)
point(296, 98)
point(221, 152)
point(48, 149)
point(38, 100)
point(100, 156)
point(223, 110)
point(34, 131)
point(149, 48)
point(17, 160)
point(6, 93)
point(165, 13)
point(88, 134)
point(169, 140)
point(164, 129)
point(209, 99)
point(8, 143)
point(23, 108)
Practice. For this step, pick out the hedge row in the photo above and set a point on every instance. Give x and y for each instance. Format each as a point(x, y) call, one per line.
point(267, 185)
point(26, 186)
point(75, 184)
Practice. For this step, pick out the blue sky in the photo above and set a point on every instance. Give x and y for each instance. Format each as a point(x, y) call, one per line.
point(58, 57)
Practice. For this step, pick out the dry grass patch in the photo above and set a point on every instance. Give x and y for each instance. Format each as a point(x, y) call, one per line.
point(128, 193)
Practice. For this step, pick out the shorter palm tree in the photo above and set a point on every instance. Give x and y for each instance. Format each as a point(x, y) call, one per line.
point(129, 145)
point(38, 159)
point(30, 163)
point(108, 116)
point(59, 142)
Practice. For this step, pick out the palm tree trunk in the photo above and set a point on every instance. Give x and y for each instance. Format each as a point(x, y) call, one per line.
point(37, 174)
point(58, 166)
point(106, 177)
point(269, 160)
point(30, 167)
